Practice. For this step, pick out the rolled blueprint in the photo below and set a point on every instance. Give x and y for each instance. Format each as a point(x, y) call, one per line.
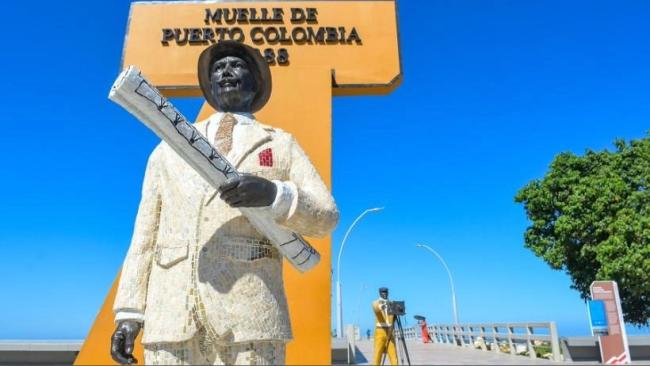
point(135, 94)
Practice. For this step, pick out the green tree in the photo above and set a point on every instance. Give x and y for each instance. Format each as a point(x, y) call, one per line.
point(590, 216)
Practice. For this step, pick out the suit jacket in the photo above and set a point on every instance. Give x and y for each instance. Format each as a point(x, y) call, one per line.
point(181, 270)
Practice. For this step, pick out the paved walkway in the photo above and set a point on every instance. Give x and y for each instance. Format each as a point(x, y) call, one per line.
point(435, 353)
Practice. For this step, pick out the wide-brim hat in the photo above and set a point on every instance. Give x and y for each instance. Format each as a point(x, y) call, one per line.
point(258, 66)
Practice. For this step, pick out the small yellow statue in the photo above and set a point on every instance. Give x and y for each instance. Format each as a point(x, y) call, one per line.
point(384, 330)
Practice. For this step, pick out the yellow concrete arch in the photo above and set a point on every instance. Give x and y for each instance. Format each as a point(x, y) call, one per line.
point(300, 104)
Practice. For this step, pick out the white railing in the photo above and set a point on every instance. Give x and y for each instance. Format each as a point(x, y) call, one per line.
point(493, 336)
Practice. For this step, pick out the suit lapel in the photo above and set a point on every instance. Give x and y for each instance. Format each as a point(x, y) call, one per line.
point(195, 178)
point(246, 139)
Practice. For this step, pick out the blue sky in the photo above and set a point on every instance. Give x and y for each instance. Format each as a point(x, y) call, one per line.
point(492, 91)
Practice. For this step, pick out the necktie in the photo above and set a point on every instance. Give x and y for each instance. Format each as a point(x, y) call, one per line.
point(223, 137)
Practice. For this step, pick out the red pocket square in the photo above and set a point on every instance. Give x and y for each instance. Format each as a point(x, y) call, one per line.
point(266, 157)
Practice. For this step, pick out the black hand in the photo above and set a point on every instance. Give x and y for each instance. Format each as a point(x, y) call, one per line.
point(248, 191)
point(123, 341)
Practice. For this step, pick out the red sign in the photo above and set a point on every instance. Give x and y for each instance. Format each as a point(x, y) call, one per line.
point(614, 348)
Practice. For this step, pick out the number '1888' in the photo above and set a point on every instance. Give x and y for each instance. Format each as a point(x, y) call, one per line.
point(281, 57)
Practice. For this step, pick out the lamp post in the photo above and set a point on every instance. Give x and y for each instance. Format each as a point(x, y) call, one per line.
point(339, 304)
point(451, 280)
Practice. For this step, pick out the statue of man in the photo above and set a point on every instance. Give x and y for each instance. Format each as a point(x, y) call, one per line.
point(204, 285)
point(384, 329)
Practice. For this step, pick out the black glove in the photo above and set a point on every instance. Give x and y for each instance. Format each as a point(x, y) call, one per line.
point(123, 340)
point(248, 191)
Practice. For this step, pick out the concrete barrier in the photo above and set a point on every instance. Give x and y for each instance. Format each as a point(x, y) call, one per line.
point(38, 352)
point(587, 348)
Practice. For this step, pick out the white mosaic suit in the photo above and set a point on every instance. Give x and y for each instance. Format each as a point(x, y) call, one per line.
point(196, 267)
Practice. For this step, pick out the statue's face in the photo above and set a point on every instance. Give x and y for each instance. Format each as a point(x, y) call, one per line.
point(383, 294)
point(233, 84)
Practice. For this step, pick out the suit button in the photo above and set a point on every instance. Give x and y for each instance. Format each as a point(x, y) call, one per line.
point(204, 249)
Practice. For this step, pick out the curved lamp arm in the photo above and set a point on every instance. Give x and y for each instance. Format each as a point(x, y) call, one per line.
point(451, 280)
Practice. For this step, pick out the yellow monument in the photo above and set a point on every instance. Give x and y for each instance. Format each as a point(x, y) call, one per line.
point(316, 49)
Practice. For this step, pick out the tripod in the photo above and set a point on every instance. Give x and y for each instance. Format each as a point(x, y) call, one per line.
point(397, 319)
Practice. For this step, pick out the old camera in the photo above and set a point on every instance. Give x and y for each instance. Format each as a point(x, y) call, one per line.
point(396, 308)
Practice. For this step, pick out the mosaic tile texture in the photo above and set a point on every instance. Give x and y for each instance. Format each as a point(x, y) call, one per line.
point(198, 269)
point(266, 157)
point(133, 92)
point(193, 352)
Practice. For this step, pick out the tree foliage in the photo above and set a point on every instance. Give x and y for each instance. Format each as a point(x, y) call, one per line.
point(590, 216)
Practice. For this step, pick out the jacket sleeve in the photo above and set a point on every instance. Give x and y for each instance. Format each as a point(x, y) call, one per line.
point(313, 211)
point(132, 288)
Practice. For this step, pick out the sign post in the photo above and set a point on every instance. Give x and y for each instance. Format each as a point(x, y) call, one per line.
point(316, 50)
point(607, 309)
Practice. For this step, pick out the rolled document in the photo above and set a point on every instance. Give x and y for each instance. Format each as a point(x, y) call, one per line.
point(135, 94)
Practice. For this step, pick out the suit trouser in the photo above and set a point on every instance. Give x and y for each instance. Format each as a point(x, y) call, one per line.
point(381, 337)
point(199, 351)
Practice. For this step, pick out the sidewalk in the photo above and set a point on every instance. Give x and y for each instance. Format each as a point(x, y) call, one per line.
point(435, 353)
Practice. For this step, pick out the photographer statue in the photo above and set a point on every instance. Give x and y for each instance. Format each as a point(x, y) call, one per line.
point(202, 284)
point(384, 337)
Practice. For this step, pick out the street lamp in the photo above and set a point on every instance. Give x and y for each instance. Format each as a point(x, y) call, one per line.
point(339, 304)
point(451, 280)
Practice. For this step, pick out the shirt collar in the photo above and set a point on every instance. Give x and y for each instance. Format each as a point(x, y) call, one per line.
point(241, 117)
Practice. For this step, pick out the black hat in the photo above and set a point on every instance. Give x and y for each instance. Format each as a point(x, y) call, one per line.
point(258, 65)
point(383, 289)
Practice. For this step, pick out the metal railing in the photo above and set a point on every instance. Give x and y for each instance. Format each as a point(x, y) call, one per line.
point(494, 336)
